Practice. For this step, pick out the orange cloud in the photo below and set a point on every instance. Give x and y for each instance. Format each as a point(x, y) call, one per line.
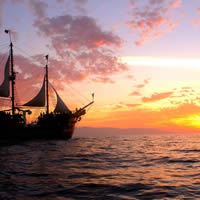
point(137, 88)
point(157, 97)
point(103, 80)
point(145, 83)
point(135, 93)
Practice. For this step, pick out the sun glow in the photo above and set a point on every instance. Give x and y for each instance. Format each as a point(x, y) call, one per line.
point(188, 121)
point(160, 61)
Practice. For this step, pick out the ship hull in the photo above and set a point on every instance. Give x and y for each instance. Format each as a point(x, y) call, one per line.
point(35, 132)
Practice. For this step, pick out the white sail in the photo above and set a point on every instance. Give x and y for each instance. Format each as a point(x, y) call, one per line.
point(39, 99)
point(5, 86)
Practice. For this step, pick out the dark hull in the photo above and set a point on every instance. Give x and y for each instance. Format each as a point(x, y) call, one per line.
point(35, 132)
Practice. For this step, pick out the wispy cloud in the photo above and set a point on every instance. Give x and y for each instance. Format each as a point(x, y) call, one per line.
point(122, 106)
point(196, 19)
point(39, 8)
point(79, 5)
point(157, 97)
point(102, 79)
point(137, 91)
point(152, 19)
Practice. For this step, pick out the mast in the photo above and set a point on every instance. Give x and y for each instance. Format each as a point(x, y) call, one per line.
point(47, 85)
point(13, 74)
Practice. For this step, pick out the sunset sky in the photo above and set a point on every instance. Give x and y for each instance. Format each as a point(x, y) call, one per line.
point(141, 58)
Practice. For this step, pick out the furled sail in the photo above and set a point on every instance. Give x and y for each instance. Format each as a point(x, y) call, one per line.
point(60, 106)
point(39, 99)
point(5, 86)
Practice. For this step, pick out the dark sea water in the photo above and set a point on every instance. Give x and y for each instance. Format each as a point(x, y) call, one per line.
point(122, 167)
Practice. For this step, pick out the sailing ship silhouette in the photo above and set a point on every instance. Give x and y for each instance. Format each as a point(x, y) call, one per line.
point(58, 124)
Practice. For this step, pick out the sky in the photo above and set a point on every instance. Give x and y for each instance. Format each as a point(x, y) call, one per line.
point(141, 58)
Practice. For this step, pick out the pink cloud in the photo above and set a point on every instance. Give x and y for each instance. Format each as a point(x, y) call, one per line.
point(83, 48)
point(101, 79)
point(39, 8)
point(153, 20)
point(131, 77)
point(138, 88)
point(69, 31)
point(196, 20)
point(61, 71)
point(83, 45)
point(175, 4)
point(122, 105)
point(157, 97)
point(142, 85)
point(135, 93)
point(100, 63)
point(132, 105)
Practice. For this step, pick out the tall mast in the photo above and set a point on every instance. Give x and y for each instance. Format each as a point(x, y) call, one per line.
point(13, 74)
point(47, 84)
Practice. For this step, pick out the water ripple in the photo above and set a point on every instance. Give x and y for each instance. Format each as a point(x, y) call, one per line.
point(128, 167)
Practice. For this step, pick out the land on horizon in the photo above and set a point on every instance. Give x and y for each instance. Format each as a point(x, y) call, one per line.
point(107, 131)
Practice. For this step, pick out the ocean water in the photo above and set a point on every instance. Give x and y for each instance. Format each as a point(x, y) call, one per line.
point(121, 167)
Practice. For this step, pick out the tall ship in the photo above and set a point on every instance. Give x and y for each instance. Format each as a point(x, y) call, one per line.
point(58, 124)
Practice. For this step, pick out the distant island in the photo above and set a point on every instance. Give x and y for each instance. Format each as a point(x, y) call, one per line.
point(91, 131)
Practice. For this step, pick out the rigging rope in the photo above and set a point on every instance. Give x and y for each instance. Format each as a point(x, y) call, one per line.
point(89, 108)
point(73, 89)
point(29, 56)
point(75, 94)
point(3, 48)
point(4, 45)
point(78, 92)
point(3, 58)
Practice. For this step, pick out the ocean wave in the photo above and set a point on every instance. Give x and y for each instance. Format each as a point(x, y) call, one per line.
point(92, 168)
